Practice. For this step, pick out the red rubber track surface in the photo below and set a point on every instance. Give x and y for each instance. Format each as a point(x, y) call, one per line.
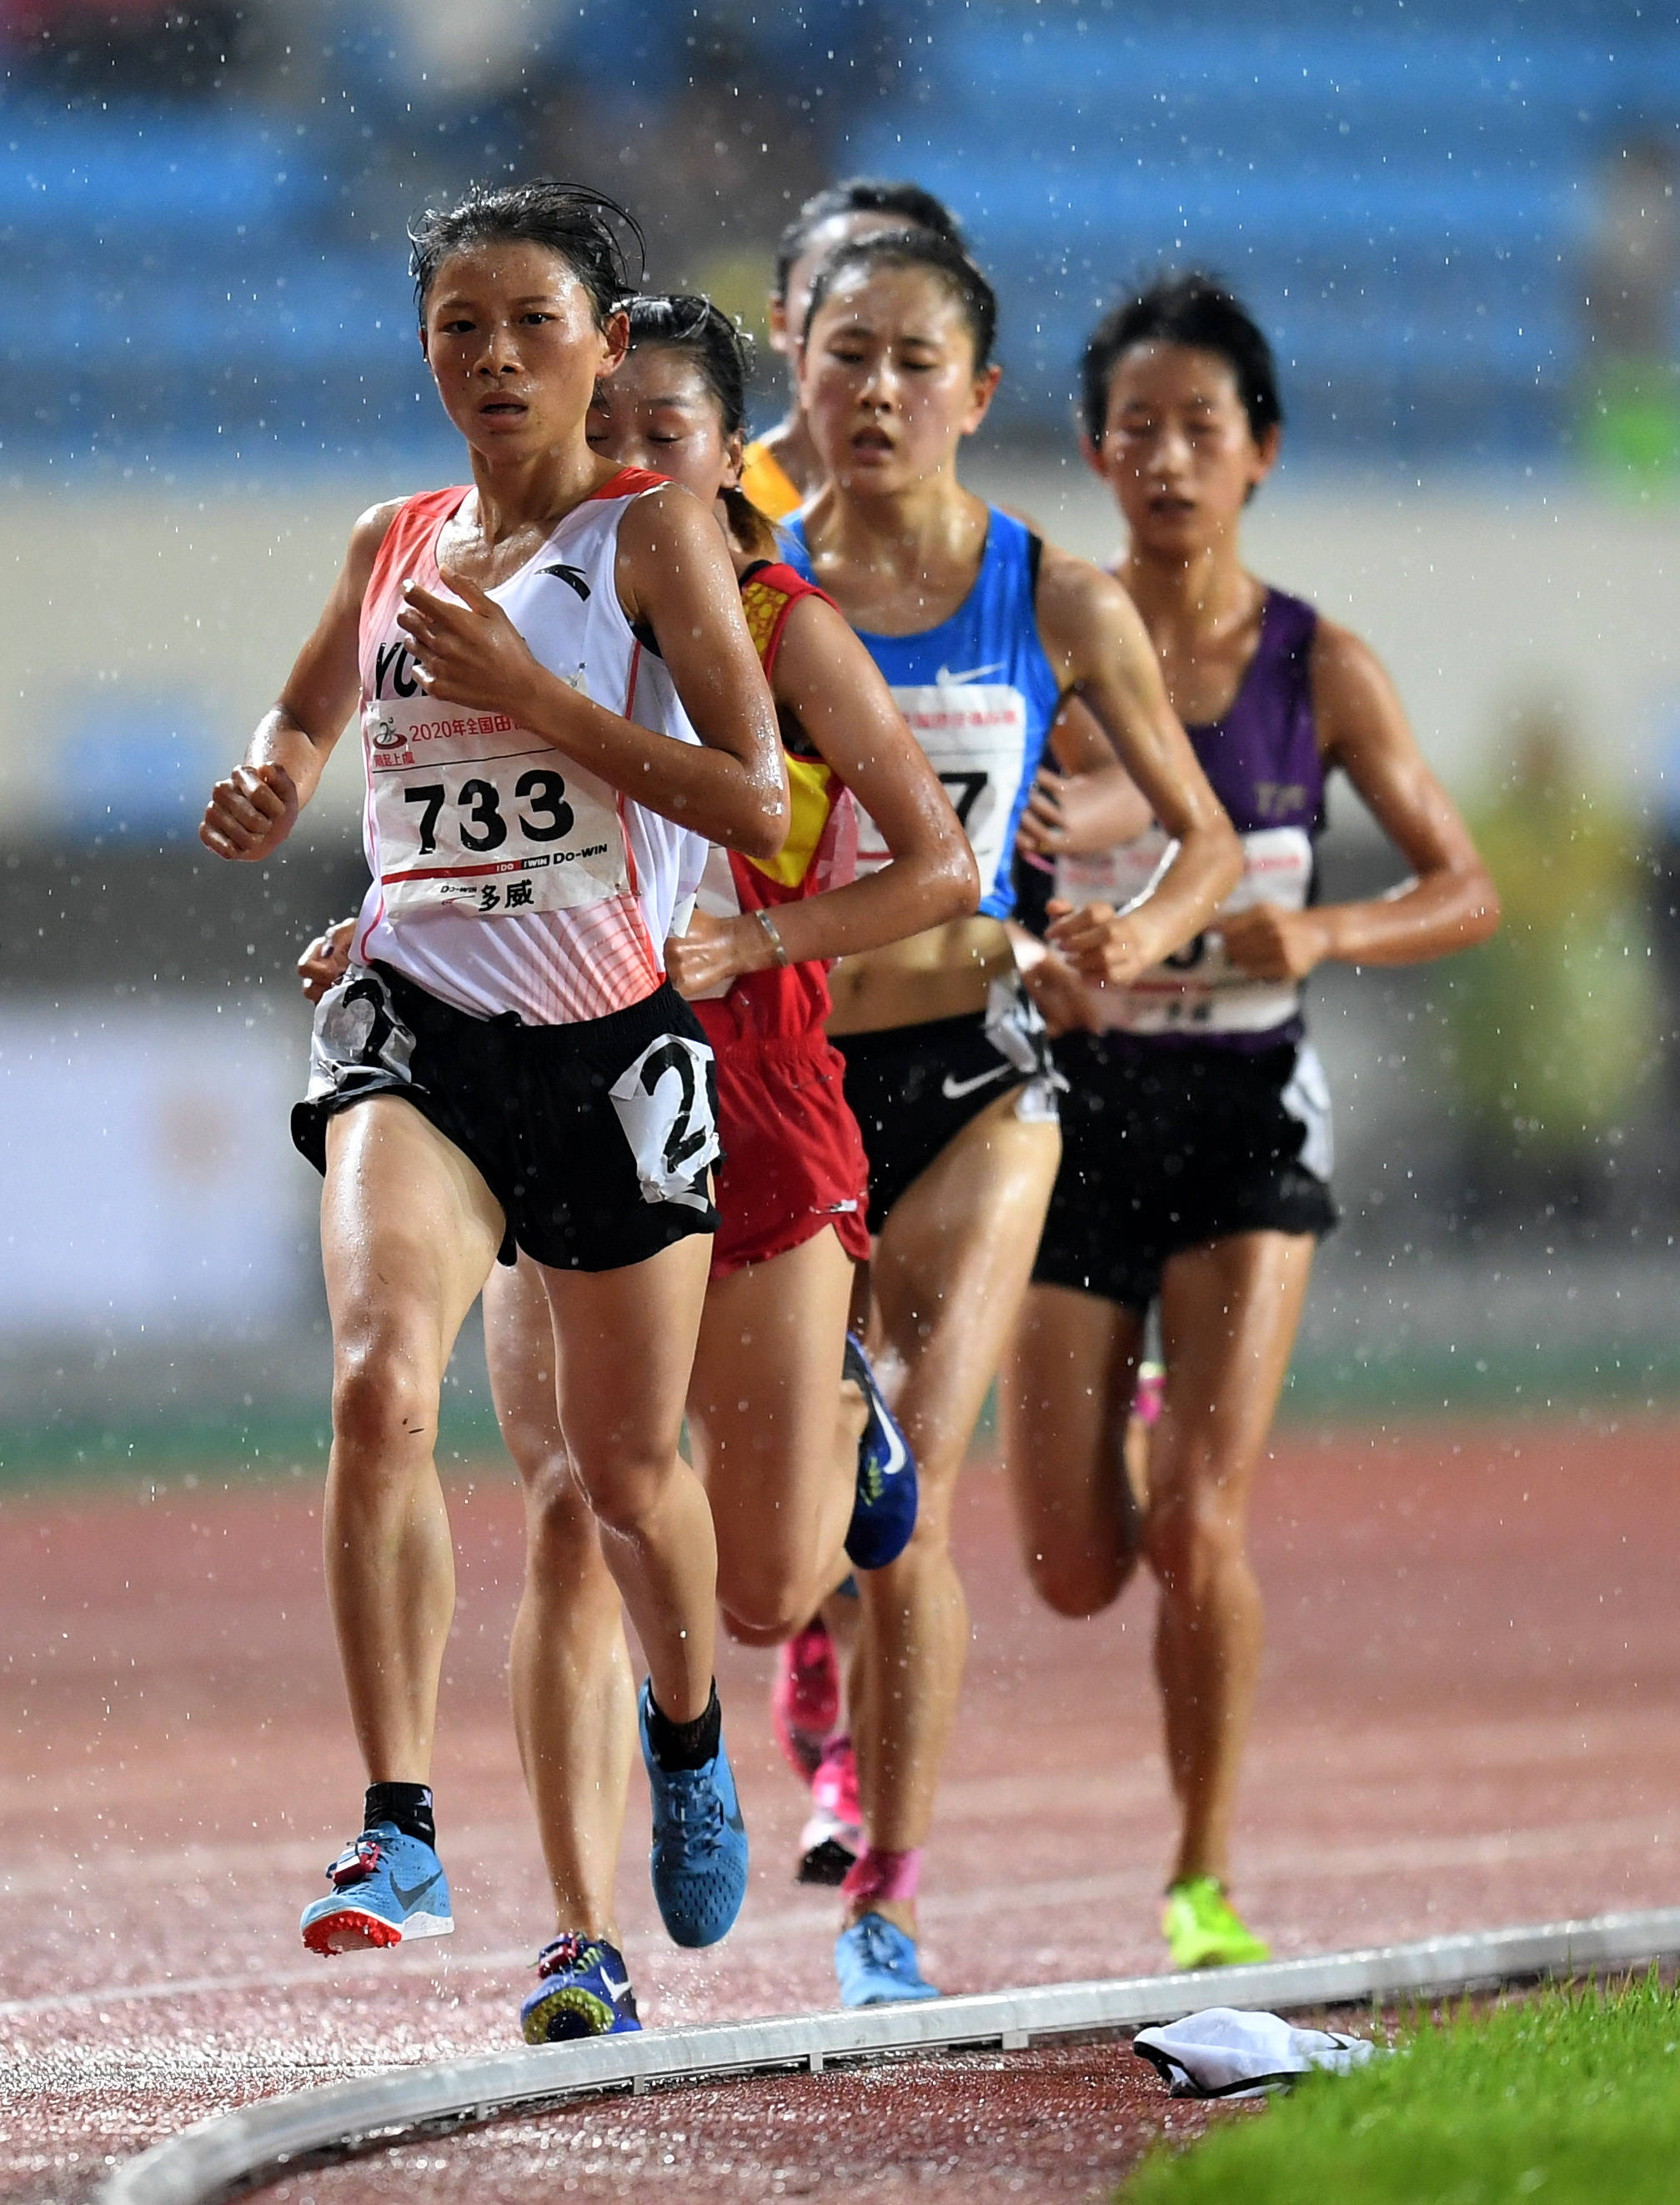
point(1469, 1717)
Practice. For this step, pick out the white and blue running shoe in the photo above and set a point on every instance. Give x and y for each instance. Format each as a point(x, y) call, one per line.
point(386, 1886)
point(698, 1859)
point(884, 1514)
point(585, 1991)
point(876, 1963)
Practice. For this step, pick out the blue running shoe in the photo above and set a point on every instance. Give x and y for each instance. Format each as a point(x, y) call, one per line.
point(876, 1963)
point(884, 1515)
point(585, 1991)
point(386, 1886)
point(700, 1842)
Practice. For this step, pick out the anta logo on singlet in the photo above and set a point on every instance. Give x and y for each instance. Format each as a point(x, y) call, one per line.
point(573, 579)
point(393, 672)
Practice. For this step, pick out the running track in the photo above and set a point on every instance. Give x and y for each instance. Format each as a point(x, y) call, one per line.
point(1471, 1715)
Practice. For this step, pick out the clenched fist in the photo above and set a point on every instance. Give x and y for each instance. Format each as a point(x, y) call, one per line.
point(250, 814)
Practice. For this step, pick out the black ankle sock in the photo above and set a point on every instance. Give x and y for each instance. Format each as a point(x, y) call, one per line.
point(684, 1744)
point(408, 1805)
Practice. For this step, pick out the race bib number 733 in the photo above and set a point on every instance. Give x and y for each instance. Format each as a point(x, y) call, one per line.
point(474, 814)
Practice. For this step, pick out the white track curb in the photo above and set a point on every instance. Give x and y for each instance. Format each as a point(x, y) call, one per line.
point(234, 2150)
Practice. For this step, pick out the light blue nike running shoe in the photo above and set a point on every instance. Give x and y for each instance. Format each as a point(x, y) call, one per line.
point(386, 1886)
point(884, 1513)
point(585, 1991)
point(876, 1963)
point(698, 1859)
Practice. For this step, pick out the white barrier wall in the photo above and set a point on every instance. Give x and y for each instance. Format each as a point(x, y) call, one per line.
point(138, 608)
point(154, 621)
point(1476, 595)
point(147, 1181)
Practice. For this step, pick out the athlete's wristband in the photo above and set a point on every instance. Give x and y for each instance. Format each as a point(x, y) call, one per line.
point(774, 933)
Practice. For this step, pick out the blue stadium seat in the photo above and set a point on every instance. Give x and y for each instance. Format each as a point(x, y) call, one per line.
point(1404, 212)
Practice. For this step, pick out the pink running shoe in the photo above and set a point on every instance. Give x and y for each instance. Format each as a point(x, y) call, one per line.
point(805, 1698)
point(831, 1839)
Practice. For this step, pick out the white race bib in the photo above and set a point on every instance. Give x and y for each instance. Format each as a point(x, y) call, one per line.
point(476, 815)
point(1198, 989)
point(975, 737)
point(664, 1102)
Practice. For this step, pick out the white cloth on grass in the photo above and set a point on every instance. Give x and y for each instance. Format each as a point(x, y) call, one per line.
point(1221, 2052)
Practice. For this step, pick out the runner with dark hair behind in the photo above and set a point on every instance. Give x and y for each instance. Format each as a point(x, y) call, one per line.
point(981, 630)
point(781, 468)
point(1196, 1167)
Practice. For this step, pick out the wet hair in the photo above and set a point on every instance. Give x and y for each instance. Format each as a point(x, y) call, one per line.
point(860, 195)
point(684, 321)
point(690, 326)
point(942, 257)
point(1195, 310)
point(584, 228)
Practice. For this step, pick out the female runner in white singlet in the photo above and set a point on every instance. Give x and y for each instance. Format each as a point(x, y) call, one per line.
point(558, 694)
point(1196, 1137)
point(776, 1436)
point(981, 631)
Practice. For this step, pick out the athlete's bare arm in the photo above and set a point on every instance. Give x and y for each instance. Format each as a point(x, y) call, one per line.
point(1449, 904)
point(251, 814)
point(674, 574)
point(1086, 800)
point(1098, 644)
point(827, 681)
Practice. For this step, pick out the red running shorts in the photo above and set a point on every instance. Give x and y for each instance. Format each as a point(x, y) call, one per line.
point(793, 1156)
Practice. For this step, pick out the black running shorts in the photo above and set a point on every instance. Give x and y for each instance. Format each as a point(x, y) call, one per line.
point(597, 1138)
point(913, 1089)
point(1168, 1146)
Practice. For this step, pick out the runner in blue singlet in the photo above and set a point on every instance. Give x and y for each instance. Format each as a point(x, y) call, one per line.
point(980, 631)
point(1196, 1158)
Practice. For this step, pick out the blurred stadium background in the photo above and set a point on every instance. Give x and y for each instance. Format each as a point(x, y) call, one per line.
point(1459, 223)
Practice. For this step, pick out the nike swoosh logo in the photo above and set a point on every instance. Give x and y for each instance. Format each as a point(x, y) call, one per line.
point(897, 1454)
point(946, 680)
point(407, 1897)
point(955, 1089)
point(615, 1988)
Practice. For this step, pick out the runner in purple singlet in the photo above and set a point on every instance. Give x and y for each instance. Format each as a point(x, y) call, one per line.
point(1197, 1154)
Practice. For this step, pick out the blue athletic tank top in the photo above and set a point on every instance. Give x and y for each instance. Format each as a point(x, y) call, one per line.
point(980, 696)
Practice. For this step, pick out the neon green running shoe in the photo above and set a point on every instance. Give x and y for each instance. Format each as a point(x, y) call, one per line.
point(1205, 1931)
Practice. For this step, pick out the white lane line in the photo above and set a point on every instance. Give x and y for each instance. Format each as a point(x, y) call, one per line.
point(215, 2157)
point(1396, 1856)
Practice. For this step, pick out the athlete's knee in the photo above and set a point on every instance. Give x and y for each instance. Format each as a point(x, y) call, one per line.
point(763, 1607)
point(533, 1441)
point(746, 1633)
point(1192, 1539)
point(1077, 1581)
point(384, 1404)
point(625, 1487)
point(557, 1515)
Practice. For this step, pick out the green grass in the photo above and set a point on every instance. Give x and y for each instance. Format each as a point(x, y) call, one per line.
point(1571, 2097)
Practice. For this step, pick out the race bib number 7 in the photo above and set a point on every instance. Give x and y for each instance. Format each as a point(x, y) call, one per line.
point(473, 814)
point(975, 737)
